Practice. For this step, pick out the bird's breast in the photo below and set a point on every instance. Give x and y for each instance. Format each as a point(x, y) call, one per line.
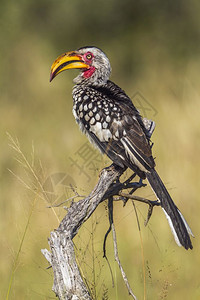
point(96, 114)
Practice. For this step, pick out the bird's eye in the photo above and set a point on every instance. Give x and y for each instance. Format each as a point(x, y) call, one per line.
point(89, 56)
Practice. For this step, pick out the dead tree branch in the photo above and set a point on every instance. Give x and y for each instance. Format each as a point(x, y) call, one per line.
point(68, 282)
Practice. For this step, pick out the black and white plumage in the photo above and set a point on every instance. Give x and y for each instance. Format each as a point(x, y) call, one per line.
point(112, 123)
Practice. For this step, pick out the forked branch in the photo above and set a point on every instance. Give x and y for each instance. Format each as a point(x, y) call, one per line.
point(68, 282)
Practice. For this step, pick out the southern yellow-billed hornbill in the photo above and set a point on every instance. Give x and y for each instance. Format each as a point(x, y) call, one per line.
point(110, 120)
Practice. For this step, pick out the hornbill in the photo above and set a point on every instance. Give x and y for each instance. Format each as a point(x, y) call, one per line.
point(113, 124)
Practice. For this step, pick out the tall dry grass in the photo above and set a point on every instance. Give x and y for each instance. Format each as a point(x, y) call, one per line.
point(39, 114)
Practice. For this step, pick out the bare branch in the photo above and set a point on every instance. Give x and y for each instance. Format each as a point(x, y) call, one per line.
point(68, 282)
point(144, 200)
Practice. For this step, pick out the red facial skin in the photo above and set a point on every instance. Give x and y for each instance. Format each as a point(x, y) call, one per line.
point(88, 73)
point(88, 57)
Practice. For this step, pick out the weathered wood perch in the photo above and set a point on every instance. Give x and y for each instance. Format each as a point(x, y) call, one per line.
point(68, 283)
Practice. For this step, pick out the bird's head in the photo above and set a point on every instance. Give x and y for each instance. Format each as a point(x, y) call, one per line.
point(94, 64)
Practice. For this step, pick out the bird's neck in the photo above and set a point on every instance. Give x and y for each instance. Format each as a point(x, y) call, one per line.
point(92, 78)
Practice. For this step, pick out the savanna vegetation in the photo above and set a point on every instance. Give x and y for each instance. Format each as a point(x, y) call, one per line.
point(154, 49)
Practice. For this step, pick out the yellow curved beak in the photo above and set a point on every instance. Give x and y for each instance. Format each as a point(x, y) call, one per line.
point(68, 60)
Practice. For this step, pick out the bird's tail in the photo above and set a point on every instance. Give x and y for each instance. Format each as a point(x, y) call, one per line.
point(178, 224)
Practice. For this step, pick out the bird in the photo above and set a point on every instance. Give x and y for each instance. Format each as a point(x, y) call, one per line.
point(108, 117)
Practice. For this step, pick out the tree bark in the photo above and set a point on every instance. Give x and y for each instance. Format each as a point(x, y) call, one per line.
point(68, 283)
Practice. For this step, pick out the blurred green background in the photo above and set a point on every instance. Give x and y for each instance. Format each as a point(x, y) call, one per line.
point(154, 49)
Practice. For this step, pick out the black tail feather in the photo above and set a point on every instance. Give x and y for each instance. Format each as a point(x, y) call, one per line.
point(178, 224)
